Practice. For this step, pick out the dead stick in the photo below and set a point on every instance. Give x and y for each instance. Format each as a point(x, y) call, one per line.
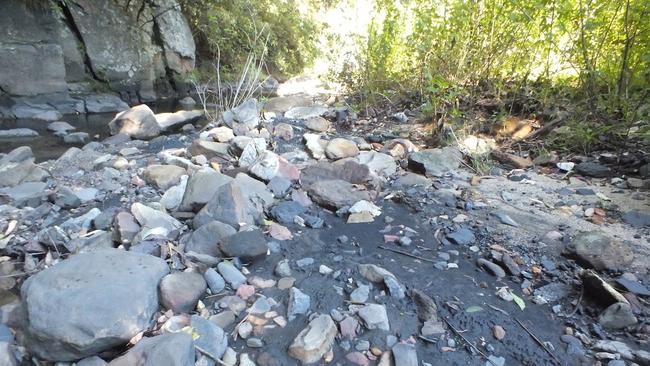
point(582, 292)
point(539, 342)
point(499, 310)
point(429, 340)
point(355, 302)
point(458, 333)
point(18, 274)
point(407, 254)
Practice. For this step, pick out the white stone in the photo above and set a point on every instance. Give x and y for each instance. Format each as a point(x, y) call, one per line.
point(365, 206)
point(312, 141)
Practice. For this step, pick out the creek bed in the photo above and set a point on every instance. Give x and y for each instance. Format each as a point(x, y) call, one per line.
point(48, 146)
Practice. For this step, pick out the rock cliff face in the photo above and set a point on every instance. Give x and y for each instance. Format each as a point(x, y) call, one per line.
point(54, 55)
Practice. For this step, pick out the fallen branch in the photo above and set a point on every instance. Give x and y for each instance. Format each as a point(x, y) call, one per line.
point(511, 159)
point(544, 130)
point(407, 254)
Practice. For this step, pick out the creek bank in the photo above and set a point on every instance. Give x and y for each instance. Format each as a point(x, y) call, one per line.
point(259, 250)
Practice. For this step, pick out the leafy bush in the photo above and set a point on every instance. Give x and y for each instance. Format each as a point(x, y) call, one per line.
point(530, 56)
point(234, 28)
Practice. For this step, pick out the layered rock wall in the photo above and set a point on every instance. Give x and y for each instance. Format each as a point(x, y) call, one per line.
point(55, 53)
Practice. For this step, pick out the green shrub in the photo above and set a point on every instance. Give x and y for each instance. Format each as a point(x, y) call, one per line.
point(531, 56)
point(234, 28)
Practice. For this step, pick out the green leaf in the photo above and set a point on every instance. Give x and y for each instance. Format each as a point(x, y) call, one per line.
point(518, 300)
point(473, 309)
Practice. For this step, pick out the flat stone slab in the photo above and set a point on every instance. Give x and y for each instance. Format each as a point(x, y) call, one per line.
point(90, 302)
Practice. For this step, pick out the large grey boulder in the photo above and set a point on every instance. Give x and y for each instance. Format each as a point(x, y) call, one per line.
point(380, 164)
point(90, 303)
point(104, 103)
point(435, 162)
point(201, 187)
point(283, 104)
point(205, 239)
point(138, 122)
point(247, 245)
point(346, 169)
point(180, 291)
point(617, 316)
point(241, 201)
point(317, 124)
point(600, 251)
point(305, 112)
point(25, 194)
point(163, 176)
point(171, 121)
point(18, 167)
point(209, 149)
point(152, 218)
point(266, 166)
point(336, 193)
point(247, 113)
point(171, 349)
point(340, 148)
point(374, 316)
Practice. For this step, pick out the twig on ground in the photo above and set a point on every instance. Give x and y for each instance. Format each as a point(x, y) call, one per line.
point(355, 302)
point(458, 333)
point(539, 342)
point(428, 340)
point(407, 254)
point(582, 292)
point(499, 310)
point(18, 274)
point(235, 331)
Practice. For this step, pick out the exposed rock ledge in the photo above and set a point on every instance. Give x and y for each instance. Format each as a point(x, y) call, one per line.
point(55, 57)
